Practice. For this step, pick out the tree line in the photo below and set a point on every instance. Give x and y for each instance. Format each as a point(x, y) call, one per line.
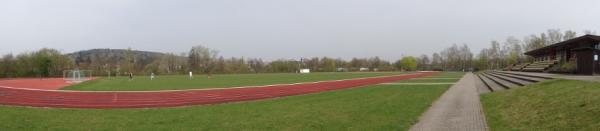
point(205, 60)
point(44, 62)
point(101, 62)
point(453, 58)
point(498, 55)
point(501, 54)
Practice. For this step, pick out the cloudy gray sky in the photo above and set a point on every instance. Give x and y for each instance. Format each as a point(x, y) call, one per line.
point(274, 29)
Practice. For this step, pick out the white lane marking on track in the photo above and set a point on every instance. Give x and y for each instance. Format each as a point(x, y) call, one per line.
point(10, 87)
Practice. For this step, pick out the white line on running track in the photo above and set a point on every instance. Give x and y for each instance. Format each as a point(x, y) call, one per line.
point(417, 83)
point(215, 88)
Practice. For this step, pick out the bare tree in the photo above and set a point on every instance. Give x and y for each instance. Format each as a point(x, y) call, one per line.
point(257, 65)
point(482, 62)
point(202, 59)
point(569, 34)
point(423, 62)
point(466, 57)
point(436, 61)
point(534, 42)
point(513, 50)
point(554, 36)
point(494, 54)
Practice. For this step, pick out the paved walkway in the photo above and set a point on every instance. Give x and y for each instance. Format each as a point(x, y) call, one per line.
point(458, 109)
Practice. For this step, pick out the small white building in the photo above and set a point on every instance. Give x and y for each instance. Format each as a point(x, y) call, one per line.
point(304, 71)
point(363, 69)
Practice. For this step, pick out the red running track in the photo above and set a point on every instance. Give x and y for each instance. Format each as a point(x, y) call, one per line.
point(35, 83)
point(149, 99)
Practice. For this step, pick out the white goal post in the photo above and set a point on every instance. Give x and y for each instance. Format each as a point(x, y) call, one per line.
point(76, 76)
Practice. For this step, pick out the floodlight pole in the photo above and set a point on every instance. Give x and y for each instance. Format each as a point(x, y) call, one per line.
point(300, 64)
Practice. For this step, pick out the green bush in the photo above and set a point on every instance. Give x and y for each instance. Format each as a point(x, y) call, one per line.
point(567, 67)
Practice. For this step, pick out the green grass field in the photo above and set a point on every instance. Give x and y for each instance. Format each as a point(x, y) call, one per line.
point(143, 83)
point(429, 81)
point(551, 105)
point(457, 75)
point(377, 107)
point(447, 77)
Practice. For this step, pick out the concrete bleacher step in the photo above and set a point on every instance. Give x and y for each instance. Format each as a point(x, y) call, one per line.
point(534, 69)
point(502, 85)
point(488, 85)
point(525, 78)
point(481, 86)
point(536, 66)
point(492, 81)
point(520, 67)
point(509, 84)
point(526, 75)
point(515, 81)
point(540, 66)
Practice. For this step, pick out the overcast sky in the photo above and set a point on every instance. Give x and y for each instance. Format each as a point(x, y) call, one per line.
point(273, 29)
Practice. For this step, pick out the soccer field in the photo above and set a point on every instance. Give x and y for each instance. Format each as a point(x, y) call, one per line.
point(176, 82)
point(376, 107)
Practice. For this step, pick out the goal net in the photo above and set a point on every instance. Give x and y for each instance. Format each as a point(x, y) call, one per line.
point(76, 76)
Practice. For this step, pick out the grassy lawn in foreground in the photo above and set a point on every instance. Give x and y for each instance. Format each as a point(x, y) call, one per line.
point(143, 83)
point(551, 105)
point(377, 107)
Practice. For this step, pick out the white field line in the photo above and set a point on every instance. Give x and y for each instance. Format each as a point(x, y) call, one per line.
point(212, 88)
point(417, 83)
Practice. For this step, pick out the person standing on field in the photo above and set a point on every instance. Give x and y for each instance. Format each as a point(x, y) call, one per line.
point(130, 76)
point(152, 76)
point(191, 75)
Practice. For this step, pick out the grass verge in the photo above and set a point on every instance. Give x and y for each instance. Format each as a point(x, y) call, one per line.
point(551, 105)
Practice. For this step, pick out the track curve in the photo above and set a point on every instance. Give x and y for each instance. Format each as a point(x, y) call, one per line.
point(87, 99)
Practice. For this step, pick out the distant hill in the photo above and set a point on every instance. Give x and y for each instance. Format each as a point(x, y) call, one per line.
point(121, 52)
point(113, 56)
